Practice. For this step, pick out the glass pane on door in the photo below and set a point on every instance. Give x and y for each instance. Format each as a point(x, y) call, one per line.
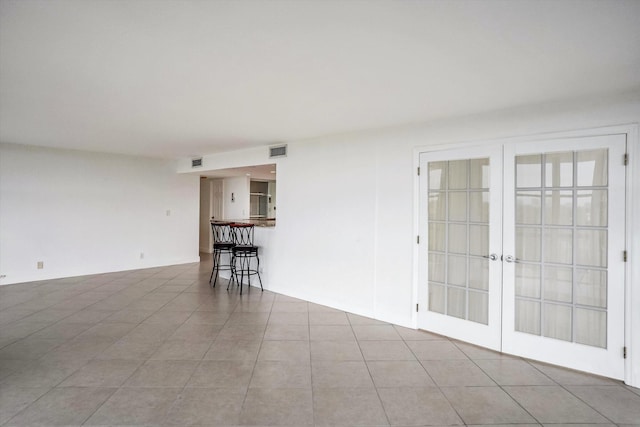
point(561, 205)
point(458, 216)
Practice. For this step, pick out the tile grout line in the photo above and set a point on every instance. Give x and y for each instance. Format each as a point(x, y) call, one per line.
point(567, 390)
point(475, 361)
point(180, 393)
point(313, 406)
point(369, 371)
point(143, 362)
point(56, 386)
point(586, 403)
point(434, 381)
point(255, 362)
point(498, 385)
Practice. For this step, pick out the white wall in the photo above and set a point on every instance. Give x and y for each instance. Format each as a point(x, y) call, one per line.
point(272, 205)
point(345, 233)
point(239, 207)
point(205, 216)
point(84, 213)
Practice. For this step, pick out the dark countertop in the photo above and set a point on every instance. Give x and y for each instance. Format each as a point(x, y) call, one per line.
point(258, 222)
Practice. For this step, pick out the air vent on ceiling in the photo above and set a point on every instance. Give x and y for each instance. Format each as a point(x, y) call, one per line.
point(278, 151)
point(196, 162)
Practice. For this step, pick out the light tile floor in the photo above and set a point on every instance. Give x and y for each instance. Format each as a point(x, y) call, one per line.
point(159, 347)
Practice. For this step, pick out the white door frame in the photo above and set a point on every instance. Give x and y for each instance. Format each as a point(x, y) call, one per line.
point(603, 361)
point(466, 330)
point(632, 268)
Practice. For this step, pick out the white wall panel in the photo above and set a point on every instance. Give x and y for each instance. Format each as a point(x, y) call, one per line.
point(236, 198)
point(83, 213)
point(345, 232)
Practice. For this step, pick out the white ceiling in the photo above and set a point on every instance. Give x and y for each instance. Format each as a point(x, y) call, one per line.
point(182, 78)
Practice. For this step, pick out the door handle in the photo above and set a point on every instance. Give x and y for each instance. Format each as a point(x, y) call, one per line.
point(510, 258)
point(492, 257)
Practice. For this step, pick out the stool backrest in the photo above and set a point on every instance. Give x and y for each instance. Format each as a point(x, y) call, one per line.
point(242, 234)
point(221, 232)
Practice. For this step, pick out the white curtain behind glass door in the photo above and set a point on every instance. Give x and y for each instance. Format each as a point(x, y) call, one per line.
point(561, 245)
point(458, 218)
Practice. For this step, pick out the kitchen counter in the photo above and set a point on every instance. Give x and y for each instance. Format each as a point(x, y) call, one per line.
point(258, 222)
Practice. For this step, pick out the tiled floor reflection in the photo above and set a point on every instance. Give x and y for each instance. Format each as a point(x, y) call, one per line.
point(159, 347)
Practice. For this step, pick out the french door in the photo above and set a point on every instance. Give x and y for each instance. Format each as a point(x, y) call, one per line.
point(524, 249)
point(459, 192)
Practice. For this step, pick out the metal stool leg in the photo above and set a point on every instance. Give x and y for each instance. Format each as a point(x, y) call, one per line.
point(243, 260)
point(213, 258)
point(249, 273)
point(258, 272)
point(232, 277)
point(233, 271)
point(216, 267)
point(244, 266)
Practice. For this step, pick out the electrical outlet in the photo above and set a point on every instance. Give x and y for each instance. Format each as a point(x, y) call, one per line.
point(40, 265)
point(141, 255)
point(168, 212)
point(3, 276)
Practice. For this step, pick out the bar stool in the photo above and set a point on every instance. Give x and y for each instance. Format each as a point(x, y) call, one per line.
point(242, 252)
point(222, 244)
